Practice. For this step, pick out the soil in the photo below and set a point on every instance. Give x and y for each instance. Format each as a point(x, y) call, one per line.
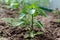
point(7, 32)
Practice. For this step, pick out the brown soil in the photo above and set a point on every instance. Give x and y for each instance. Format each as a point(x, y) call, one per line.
point(52, 28)
point(7, 13)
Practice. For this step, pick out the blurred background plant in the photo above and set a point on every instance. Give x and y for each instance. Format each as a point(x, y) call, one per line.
point(14, 3)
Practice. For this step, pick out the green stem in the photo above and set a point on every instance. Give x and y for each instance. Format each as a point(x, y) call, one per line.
point(32, 23)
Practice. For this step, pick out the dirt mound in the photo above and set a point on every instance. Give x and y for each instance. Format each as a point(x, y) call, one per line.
point(16, 33)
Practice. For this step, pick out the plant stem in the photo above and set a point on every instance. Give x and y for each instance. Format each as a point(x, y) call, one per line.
point(32, 23)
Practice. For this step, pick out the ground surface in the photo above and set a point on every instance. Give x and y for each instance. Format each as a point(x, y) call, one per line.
point(7, 32)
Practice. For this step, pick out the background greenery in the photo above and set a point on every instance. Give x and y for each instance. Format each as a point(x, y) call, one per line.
point(44, 3)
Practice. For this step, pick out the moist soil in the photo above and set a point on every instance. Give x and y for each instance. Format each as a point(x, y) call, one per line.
point(8, 32)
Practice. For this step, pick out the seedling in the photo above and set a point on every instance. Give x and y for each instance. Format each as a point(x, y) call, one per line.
point(27, 15)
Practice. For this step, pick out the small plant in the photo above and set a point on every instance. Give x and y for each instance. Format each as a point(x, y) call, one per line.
point(27, 17)
point(33, 9)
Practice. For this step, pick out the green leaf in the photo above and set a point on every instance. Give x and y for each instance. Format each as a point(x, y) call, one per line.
point(8, 1)
point(36, 14)
point(27, 28)
point(32, 11)
point(32, 34)
point(42, 12)
point(40, 24)
point(18, 24)
point(38, 33)
point(21, 16)
point(14, 5)
point(12, 21)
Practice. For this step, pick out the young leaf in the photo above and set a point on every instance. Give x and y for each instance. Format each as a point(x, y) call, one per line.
point(32, 11)
point(18, 24)
point(12, 21)
point(21, 16)
point(38, 33)
point(39, 23)
point(32, 34)
point(42, 12)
